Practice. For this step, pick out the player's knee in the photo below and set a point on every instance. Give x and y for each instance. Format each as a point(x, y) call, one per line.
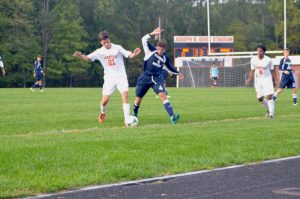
point(163, 96)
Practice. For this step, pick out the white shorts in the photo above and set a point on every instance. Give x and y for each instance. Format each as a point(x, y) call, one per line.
point(1, 64)
point(111, 83)
point(264, 87)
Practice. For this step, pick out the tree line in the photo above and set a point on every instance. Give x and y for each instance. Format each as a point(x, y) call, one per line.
point(56, 28)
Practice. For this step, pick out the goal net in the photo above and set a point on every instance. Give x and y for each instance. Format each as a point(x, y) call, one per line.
point(233, 71)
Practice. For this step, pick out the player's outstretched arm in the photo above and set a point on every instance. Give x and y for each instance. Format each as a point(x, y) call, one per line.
point(135, 53)
point(81, 56)
point(172, 69)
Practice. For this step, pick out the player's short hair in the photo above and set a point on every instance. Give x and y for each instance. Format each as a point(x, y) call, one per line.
point(162, 43)
point(261, 46)
point(39, 56)
point(286, 49)
point(103, 35)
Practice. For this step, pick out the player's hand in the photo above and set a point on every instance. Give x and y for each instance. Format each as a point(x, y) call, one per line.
point(247, 82)
point(286, 72)
point(137, 51)
point(157, 31)
point(77, 54)
point(170, 73)
point(181, 76)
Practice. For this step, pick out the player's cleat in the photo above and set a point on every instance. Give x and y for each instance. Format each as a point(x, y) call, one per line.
point(169, 96)
point(274, 98)
point(41, 90)
point(267, 114)
point(101, 118)
point(295, 104)
point(174, 118)
point(156, 96)
point(271, 116)
point(32, 89)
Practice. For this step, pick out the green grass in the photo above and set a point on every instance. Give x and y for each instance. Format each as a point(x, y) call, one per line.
point(51, 141)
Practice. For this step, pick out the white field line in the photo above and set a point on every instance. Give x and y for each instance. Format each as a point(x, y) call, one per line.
point(149, 180)
point(151, 126)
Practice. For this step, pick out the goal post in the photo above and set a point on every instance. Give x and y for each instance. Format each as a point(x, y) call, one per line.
point(233, 70)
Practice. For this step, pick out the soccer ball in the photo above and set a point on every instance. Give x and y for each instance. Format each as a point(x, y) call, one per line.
point(131, 121)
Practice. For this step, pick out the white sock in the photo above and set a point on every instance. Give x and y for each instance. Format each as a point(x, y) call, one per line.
point(275, 94)
point(265, 104)
point(103, 108)
point(126, 109)
point(271, 107)
point(294, 95)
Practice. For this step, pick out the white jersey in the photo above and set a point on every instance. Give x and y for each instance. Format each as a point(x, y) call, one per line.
point(262, 67)
point(1, 63)
point(111, 59)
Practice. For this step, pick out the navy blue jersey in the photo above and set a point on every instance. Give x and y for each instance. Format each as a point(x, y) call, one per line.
point(153, 63)
point(38, 67)
point(285, 64)
point(164, 73)
point(287, 80)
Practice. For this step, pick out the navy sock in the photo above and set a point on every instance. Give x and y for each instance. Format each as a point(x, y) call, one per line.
point(168, 107)
point(136, 110)
point(34, 85)
point(295, 100)
point(41, 86)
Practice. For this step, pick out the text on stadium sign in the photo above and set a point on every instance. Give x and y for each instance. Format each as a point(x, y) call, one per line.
point(203, 39)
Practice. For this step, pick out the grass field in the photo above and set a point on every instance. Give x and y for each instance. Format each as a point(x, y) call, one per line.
point(51, 141)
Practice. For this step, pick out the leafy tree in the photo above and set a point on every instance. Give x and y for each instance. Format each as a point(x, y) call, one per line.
point(67, 36)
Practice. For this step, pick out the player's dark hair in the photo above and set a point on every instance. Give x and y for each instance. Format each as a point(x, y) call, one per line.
point(162, 43)
point(103, 35)
point(261, 46)
point(286, 49)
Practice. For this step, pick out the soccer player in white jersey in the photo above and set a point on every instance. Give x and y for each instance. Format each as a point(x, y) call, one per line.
point(111, 57)
point(2, 66)
point(263, 70)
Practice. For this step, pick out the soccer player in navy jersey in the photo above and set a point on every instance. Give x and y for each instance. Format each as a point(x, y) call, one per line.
point(287, 78)
point(38, 73)
point(154, 60)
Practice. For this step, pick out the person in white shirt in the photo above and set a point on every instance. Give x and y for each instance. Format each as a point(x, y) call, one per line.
point(2, 66)
point(263, 71)
point(111, 57)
